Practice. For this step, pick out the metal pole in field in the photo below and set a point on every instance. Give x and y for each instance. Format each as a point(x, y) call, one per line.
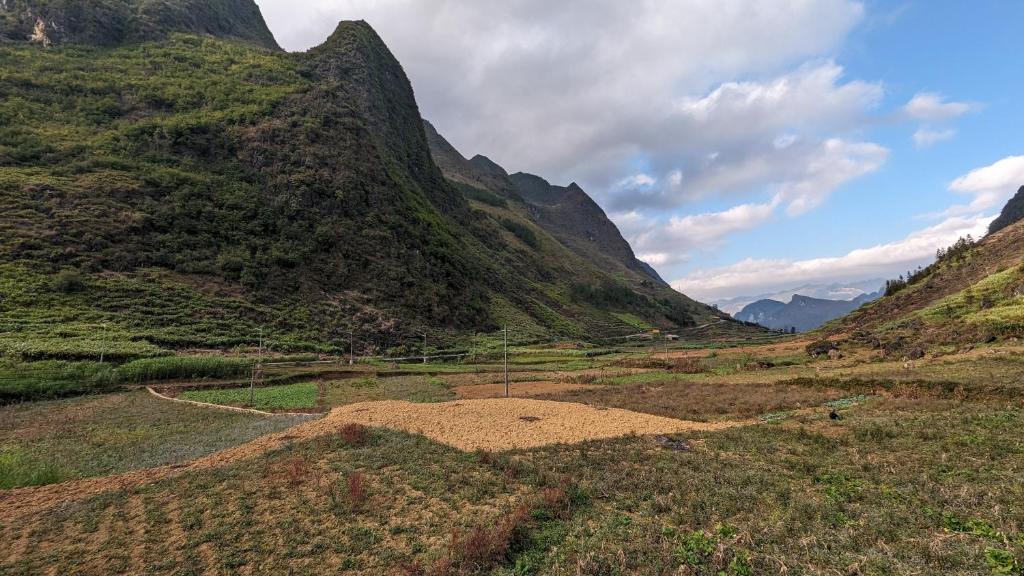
point(351, 348)
point(255, 369)
point(424, 347)
point(103, 343)
point(505, 330)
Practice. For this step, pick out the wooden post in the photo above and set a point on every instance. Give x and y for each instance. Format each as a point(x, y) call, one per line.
point(424, 347)
point(351, 347)
point(506, 360)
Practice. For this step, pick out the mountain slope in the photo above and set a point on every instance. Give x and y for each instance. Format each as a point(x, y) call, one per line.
point(968, 296)
point(567, 213)
point(186, 190)
point(112, 22)
point(1012, 212)
point(801, 313)
point(573, 247)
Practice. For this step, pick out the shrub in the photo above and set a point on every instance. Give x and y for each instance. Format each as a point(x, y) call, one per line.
point(356, 494)
point(296, 470)
point(484, 547)
point(68, 281)
point(353, 434)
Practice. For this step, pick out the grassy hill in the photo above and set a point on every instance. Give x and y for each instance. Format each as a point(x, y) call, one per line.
point(972, 294)
point(568, 243)
point(172, 182)
point(113, 22)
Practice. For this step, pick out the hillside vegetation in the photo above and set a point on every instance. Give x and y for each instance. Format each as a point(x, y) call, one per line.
point(172, 182)
point(973, 294)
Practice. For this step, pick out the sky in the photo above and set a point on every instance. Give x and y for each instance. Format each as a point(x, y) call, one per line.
point(742, 147)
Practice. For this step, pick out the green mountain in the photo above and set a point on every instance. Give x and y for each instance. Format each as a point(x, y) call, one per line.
point(113, 22)
point(168, 181)
point(972, 294)
point(568, 214)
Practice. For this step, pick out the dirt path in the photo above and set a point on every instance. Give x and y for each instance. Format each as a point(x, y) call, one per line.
point(517, 389)
point(490, 424)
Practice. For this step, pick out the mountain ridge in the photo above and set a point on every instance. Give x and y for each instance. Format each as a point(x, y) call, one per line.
point(200, 174)
point(801, 313)
point(115, 22)
point(1012, 212)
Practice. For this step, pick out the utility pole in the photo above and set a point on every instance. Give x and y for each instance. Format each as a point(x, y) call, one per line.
point(103, 343)
point(256, 369)
point(505, 330)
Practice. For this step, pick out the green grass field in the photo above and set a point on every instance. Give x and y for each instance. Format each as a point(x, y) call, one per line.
point(288, 397)
point(45, 442)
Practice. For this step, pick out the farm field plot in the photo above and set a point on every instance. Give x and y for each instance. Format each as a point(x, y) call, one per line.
point(53, 441)
point(289, 397)
point(722, 461)
point(943, 474)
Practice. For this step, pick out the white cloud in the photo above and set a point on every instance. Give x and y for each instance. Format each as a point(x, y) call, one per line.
point(990, 186)
point(665, 243)
point(883, 260)
point(925, 137)
point(834, 163)
point(932, 107)
point(771, 133)
point(575, 90)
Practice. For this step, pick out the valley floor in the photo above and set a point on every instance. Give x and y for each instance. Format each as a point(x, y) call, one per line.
point(721, 460)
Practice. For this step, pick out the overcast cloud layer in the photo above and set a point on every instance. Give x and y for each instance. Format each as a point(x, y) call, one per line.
point(652, 106)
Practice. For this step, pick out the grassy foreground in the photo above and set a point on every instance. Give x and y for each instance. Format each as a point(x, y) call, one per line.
point(46, 442)
point(923, 473)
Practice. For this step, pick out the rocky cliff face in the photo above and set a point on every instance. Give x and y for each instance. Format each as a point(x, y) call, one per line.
point(1013, 212)
point(114, 22)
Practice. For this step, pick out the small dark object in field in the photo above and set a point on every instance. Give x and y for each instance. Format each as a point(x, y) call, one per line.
point(672, 444)
point(916, 353)
point(529, 418)
point(833, 415)
point(820, 348)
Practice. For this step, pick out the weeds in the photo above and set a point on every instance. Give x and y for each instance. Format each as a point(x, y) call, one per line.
point(353, 434)
point(356, 494)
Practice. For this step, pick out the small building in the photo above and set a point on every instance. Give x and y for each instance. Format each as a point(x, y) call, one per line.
point(671, 337)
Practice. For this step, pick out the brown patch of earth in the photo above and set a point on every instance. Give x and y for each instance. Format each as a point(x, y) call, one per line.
point(512, 423)
point(518, 389)
point(793, 346)
point(488, 424)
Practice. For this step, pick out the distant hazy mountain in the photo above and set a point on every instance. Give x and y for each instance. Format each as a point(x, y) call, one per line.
point(834, 291)
point(802, 312)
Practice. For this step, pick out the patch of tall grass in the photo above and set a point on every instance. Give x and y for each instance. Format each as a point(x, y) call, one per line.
point(25, 381)
point(180, 367)
point(18, 468)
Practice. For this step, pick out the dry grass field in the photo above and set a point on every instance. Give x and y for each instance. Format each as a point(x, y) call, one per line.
point(922, 472)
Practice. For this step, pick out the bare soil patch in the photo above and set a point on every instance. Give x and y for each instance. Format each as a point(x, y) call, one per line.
point(511, 423)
